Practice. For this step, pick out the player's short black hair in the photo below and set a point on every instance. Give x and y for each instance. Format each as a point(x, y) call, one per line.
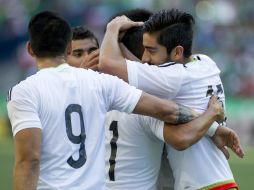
point(133, 38)
point(81, 32)
point(49, 34)
point(176, 28)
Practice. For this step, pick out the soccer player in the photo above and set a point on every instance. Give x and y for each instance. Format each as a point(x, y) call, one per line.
point(57, 115)
point(133, 153)
point(133, 142)
point(189, 79)
point(85, 49)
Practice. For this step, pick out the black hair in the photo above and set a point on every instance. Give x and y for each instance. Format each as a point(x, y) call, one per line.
point(81, 32)
point(133, 38)
point(49, 34)
point(175, 27)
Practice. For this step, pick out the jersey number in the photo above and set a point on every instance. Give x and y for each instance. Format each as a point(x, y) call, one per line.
point(210, 90)
point(112, 159)
point(80, 139)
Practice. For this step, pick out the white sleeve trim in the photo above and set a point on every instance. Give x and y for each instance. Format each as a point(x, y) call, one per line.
point(20, 128)
point(211, 131)
point(160, 133)
point(132, 73)
point(134, 98)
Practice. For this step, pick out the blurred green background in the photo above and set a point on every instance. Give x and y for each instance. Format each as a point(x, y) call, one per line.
point(224, 30)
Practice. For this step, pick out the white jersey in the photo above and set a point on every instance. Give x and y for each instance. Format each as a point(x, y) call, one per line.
point(191, 85)
point(134, 145)
point(69, 105)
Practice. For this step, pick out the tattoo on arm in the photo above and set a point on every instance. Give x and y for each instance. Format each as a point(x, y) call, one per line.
point(184, 114)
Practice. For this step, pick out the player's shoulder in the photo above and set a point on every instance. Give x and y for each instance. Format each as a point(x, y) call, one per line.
point(172, 68)
point(203, 58)
point(22, 88)
point(171, 65)
point(91, 78)
point(89, 73)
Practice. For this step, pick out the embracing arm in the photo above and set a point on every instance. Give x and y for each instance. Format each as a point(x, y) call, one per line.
point(164, 110)
point(184, 135)
point(27, 159)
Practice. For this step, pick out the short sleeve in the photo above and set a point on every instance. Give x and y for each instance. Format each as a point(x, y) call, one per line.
point(154, 126)
point(120, 95)
point(22, 110)
point(163, 82)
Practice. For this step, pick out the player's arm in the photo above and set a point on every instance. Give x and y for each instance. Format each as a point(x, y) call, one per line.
point(225, 137)
point(111, 60)
point(164, 110)
point(119, 95)
point(184, 135)
point(27, 159)
point(26, 127)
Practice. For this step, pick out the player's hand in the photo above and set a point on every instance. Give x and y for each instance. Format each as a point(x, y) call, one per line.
point(225, 137)
point(91, 61)
point(123, 23)
point(216, 107)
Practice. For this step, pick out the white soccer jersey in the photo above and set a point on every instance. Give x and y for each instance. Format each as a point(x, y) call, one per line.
point(69, 105)
point(134, 147)
point(203, 163)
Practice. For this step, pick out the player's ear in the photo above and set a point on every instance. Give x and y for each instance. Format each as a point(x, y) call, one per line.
point(69, 48)
point(29, 49)
point(177, 53)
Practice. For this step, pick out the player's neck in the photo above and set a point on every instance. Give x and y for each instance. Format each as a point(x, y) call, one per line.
point(183, 60)
point(50, 62)
point(187, 60)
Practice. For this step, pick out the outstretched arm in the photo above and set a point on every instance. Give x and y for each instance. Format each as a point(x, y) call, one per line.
point(184, 135)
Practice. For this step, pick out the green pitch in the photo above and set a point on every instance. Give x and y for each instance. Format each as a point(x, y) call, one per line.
point(242, 168)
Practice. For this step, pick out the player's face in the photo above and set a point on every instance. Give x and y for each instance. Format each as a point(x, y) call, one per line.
point(154, 53)
point(81, 49)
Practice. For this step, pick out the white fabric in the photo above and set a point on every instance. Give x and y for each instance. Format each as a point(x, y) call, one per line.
point(42, 100)
point(203, 163)
point(138, 153)
point(211, 131)
point(164, 82)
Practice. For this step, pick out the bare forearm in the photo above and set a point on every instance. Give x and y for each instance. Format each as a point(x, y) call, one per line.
point(26, 175)
point(164, 110)
point(110, 54)
point(176, 114)
point(184, 135)
point(27, 158)
point(184, 114)
point(110, 46)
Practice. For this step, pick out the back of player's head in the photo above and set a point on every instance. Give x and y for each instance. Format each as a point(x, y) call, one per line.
point(133, 38)
point(175, 27)
point(81, 33)
point(49, 34)
point(137, 15)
